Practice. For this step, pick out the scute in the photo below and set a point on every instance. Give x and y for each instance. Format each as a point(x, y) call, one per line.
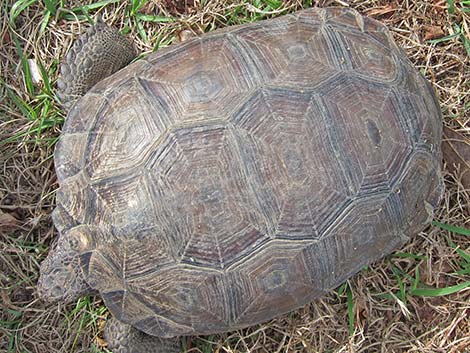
point(124, 197)
point(237, 176)
point(283, 135)
point(119, 144)
point(207, 191)
point(303, 58)
point(369, 58)
point(203, 79)
point(376, 147)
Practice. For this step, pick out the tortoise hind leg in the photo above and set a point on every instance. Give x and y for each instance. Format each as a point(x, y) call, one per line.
point(123, 338)
point(97, 54)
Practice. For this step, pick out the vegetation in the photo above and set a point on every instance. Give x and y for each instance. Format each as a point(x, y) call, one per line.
point(415, 300)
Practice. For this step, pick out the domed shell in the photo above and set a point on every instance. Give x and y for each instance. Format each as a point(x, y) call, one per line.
point(223, 181)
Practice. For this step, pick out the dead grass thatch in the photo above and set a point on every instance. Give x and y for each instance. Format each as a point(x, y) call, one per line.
point(384, 313)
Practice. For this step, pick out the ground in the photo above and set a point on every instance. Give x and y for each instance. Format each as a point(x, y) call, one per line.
point(415, 300)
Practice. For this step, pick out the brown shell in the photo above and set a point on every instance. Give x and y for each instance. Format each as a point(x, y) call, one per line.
point(229, 179)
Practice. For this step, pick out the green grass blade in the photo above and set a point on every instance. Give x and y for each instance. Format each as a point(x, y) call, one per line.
point(349, 296)
point(154, 18)
point(207, 347)
point(416, 279)
point(439, 292)
point(341, 289)
point(25, 66)
point(136, 5)
point(398, 274)
point(404, 255)
point(45, 78)
point(466, 43)
point(141, 31)
point(274, 4)
point(17, 8)
point(462, 253)
point(51, 6)
point(94, 6)
point(27, 111)
point(450, 7)
point(45, 21)
point(453, 229)
point(443, 39)
point(465, 271)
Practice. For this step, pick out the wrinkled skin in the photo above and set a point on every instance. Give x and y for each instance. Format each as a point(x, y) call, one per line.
point(127, 339)
point(61, 277)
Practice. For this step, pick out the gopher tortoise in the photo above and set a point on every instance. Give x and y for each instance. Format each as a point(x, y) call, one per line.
point(223, 181)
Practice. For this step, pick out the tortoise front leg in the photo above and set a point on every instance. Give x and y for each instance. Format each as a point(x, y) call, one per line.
point(123, 338)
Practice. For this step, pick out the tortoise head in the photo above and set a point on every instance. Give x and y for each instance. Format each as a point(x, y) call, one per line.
point(61, 278)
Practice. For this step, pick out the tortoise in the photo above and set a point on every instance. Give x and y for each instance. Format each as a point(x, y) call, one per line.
point(226, 180)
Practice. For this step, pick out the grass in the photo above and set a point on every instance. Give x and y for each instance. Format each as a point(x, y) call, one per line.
point(88, 315)
point(415, 300)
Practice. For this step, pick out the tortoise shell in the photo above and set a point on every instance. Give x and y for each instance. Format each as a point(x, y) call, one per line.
point(223, 181)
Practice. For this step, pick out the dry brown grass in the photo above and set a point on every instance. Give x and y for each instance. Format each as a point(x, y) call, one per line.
point(381, 324)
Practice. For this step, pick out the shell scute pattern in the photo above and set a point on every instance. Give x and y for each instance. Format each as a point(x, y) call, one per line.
point(339, 256)
point(73, 141)
point(301, 60)
point(378, 146)
point(368, 58)
point(208, 182)
point(364, 46)
point(413, 191)
point(77, 198)
point(120, 144)
point(420, 117)
point(203, 79)
point(123, 197)
point(283, 133)
point(236, 177)
point(72, 158)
